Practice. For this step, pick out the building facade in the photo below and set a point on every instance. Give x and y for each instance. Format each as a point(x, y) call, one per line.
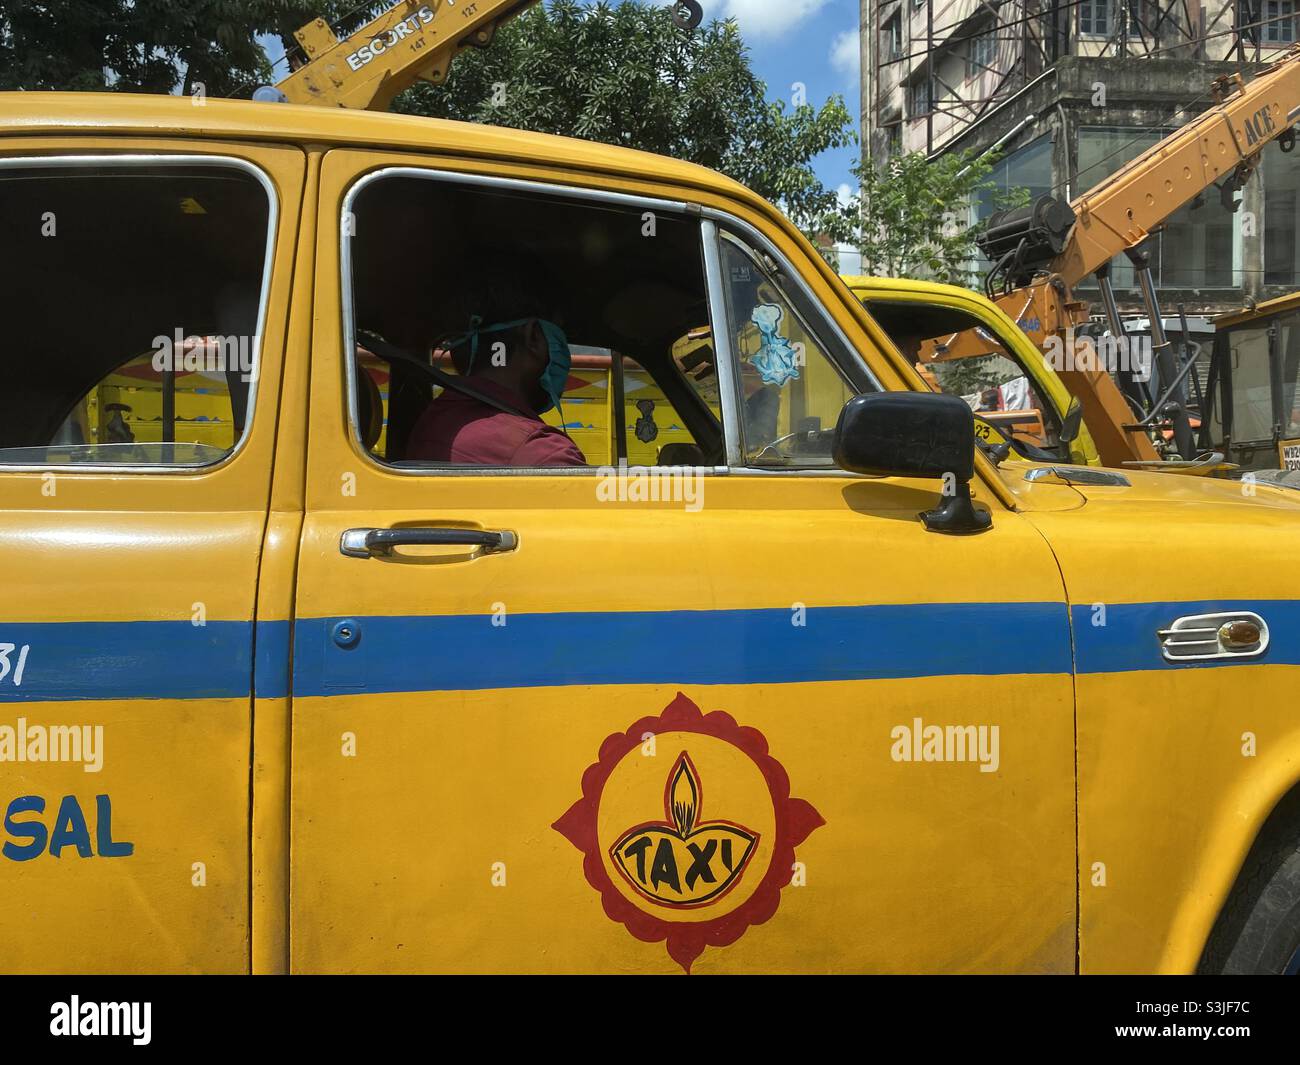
point(1068, 91)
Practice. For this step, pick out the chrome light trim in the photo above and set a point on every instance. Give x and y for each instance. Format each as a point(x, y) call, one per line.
point(1196, 638)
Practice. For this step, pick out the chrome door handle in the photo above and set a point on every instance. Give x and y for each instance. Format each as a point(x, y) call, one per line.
point(376, 543)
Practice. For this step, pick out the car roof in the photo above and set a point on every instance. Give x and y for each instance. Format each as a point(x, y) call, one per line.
point(909, 286)
point(35, 113)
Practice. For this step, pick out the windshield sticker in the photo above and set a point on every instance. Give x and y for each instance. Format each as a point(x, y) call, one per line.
point(777, 360)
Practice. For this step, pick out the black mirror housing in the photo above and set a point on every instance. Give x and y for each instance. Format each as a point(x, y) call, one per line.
point(907, 434)
point(915, 434)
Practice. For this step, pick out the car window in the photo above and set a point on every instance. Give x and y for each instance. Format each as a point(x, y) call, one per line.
point(460, 294)
point(132, 297)
point(962, 355)
point(791, 391)
point(1248, 347)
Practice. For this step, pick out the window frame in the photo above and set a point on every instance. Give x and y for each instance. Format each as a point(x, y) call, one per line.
point(708, 221)
point(894, 35)
point(491, 183)
point(982, 53)
point(1285, 21)
point(1105, 8)
point(126, 160)
point(920, 98)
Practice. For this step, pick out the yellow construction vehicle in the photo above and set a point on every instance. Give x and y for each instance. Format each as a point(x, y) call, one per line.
point(1041, 252)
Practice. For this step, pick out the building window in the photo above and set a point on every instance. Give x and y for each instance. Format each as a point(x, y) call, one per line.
point(1248, 20)
point(1094, 18)
point(922, 101)
point(894, 36)
point(981, 55)
point(1197, 246)
point(1281, 231)
point(1141, 18)
point(1279, 21)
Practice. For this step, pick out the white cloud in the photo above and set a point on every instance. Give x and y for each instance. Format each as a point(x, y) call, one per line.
point(763, 18)
point(846, 54)
point(845, 193)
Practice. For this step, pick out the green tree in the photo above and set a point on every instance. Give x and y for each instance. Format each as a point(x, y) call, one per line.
point(912, 217)
point(620, 73)
point(624, 74)
point(159, 46)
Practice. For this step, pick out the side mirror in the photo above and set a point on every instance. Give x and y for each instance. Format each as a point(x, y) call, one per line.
point(915, 434)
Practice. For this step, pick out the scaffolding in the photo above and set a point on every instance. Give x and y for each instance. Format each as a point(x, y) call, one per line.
point(998, 49)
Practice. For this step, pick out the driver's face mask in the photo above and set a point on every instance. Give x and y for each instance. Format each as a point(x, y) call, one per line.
point(556, 374)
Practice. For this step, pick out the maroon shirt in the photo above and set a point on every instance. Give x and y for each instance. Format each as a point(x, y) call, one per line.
point(458, 429)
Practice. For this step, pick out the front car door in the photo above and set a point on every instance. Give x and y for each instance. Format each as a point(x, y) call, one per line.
point(743, 716)
point(134, 470)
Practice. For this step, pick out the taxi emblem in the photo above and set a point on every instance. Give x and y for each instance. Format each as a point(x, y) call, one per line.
point(677, 862)
point(703, 874)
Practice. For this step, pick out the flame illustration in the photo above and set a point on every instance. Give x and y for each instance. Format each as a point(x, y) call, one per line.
point(684, 795)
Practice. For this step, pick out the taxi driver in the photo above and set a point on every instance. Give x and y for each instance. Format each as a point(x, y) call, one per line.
point(514, 355)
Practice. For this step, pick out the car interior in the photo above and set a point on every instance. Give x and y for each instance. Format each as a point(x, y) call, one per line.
point(628, 286)
point(98, 262)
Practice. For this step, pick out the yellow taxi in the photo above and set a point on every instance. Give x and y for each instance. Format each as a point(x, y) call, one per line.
point(786, 674)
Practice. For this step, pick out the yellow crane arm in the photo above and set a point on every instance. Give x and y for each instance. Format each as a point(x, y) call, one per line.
point(415, 40)
point(1121, 211)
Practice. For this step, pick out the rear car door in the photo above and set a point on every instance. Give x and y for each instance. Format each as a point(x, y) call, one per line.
point(143, 287)
point(733, 711)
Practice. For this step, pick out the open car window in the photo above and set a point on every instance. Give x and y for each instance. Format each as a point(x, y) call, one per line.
point(133, 294)
point(959, 354)
point(623, 285)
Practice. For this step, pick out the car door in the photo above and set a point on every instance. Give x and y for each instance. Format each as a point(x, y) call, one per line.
point(143, 285)
point(746, 716)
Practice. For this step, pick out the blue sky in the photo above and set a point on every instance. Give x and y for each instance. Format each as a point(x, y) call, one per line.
point(810, 41)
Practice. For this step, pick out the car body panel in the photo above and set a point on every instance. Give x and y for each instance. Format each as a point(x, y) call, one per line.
point(135, 592)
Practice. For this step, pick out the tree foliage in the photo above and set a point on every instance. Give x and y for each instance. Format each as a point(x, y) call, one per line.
point(624, 74)
point(913, 218)
point(159, 46)
point(619, 73)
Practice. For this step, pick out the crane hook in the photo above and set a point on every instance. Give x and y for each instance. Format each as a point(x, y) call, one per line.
point(687, 14)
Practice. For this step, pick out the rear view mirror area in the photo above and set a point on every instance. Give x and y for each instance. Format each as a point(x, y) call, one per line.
point(915, 434)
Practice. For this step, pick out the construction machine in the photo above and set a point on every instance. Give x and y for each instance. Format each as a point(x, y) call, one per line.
point(1043, 251)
